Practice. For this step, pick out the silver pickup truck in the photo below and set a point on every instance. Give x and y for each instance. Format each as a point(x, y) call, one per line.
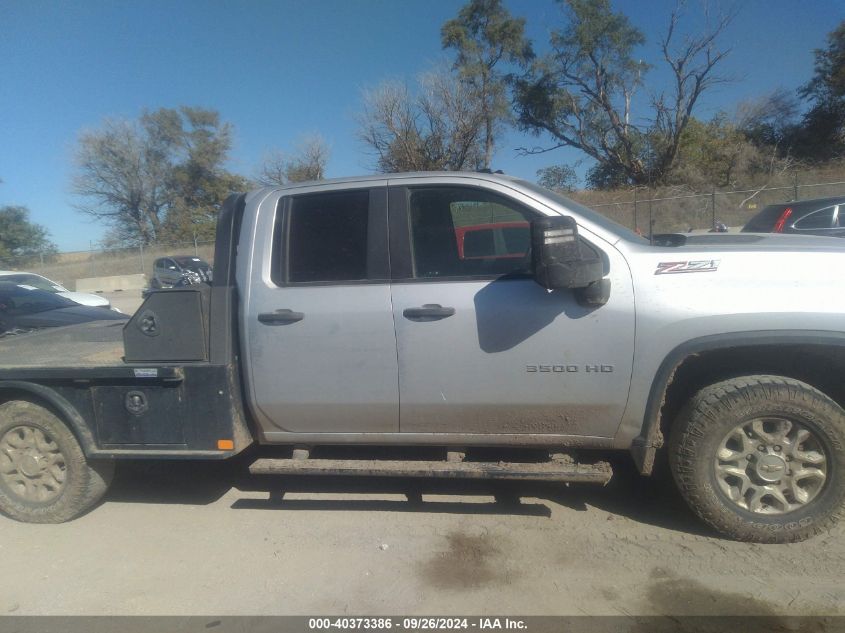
point(467, 313)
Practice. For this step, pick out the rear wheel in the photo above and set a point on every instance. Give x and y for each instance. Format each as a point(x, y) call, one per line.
point(761, 458)
point(44, 476)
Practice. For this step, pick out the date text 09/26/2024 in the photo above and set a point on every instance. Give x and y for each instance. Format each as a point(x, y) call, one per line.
point(416, 624)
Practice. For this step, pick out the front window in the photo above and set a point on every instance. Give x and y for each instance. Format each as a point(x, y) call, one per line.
point(467, 232)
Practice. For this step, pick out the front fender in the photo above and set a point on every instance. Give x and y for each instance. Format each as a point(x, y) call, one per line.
point(644, 446)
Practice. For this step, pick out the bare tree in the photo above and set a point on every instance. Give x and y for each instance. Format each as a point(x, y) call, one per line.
point(308, 162)
point(121, 175)
point(160, 174)
point(441, 128)
point(692, 63)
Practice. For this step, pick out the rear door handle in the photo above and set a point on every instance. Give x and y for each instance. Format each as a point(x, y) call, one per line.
point(428, 312)
point(280, 317)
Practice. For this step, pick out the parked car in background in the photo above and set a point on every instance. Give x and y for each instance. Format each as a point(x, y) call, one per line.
point(24, 308)
point(496, 240)
point(822, 216)
point(180, 270)
point(42, 283)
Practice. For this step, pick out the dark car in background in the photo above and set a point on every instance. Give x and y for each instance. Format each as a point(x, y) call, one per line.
point(24, 308)
point(822, 216)
point(180, 270)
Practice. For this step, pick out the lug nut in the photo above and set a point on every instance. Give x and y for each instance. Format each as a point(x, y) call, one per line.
point(750, 456)
point(788, 458)
point(761, 448)
point(777, 448)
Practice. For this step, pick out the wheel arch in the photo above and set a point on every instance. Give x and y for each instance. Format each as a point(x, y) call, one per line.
point(67, 413)
point(702, 361)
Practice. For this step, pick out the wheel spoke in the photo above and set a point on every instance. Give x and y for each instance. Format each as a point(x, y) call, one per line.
point(808, 473)
point(798, 493)
point(729, 455)
point(809, 457)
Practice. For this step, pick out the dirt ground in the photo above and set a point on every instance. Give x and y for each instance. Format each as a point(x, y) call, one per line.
point(178, 538)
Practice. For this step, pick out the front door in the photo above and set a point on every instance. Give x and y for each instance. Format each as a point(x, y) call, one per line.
point(319, 324)
point(482, 348)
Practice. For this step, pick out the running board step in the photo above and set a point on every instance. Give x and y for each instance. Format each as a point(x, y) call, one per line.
point(598, 473)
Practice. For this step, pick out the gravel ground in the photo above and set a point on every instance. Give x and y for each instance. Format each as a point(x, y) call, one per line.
point(178, 538)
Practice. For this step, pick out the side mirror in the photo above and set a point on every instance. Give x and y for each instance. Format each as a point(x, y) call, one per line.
point(558, 258)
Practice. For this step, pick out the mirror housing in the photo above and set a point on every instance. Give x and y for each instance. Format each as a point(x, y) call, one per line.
point(558, 258)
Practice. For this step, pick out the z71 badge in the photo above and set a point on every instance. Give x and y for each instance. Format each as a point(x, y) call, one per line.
point(704, 266)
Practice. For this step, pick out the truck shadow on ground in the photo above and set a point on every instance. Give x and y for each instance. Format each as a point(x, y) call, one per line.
point(649, 501)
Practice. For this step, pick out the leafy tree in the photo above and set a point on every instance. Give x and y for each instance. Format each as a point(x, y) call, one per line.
point(307, 163)
point(160, 178)
point(582, 94)
point(559, 177)
point(483, 36)
point(198, 183)
point(822, 133)
point(21, 239)
point(441, 128)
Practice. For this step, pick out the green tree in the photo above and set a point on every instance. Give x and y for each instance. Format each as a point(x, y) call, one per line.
point(822, 132)
point(559, 177)
point(160, 178)
point(20, 239)
point(198, 183)
point(583, 93)
point(484, 36)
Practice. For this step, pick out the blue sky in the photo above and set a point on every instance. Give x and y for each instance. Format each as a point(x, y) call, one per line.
point(279, 70)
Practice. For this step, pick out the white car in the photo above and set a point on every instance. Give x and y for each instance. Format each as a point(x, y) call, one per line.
point(42, 283)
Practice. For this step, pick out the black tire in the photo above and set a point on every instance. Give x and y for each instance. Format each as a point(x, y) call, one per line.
point(717, 411)
point(83, 483)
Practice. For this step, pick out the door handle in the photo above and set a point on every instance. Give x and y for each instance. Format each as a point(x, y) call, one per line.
point(280, 317)
point(428, 312)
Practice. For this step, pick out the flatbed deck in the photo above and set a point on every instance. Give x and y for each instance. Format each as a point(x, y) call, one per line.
point(95, 344)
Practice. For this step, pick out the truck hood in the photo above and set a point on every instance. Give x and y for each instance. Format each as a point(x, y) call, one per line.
point(777, 281)
point(750, 242)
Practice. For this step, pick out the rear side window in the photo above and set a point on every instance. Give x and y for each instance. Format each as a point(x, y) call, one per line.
point(821, 219)
point(327, 237)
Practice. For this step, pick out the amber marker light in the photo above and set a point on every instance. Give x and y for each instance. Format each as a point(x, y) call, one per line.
point(225, 445)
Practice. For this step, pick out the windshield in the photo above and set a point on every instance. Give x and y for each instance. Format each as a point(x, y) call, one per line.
point(588, 214)
point(36, 281)
point(18, 300)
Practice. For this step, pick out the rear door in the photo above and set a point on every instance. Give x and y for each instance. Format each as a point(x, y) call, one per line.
point(484, 349)
point(318, 324)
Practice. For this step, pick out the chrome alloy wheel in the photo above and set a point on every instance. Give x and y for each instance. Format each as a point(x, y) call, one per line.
point(32, 467)
point(771, 465)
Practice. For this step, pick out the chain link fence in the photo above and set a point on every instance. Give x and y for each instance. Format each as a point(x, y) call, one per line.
point(647, 211)
point(651, 211)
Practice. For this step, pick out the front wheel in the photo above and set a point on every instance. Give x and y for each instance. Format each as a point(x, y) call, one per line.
point(761, 458)
point(44, 476)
